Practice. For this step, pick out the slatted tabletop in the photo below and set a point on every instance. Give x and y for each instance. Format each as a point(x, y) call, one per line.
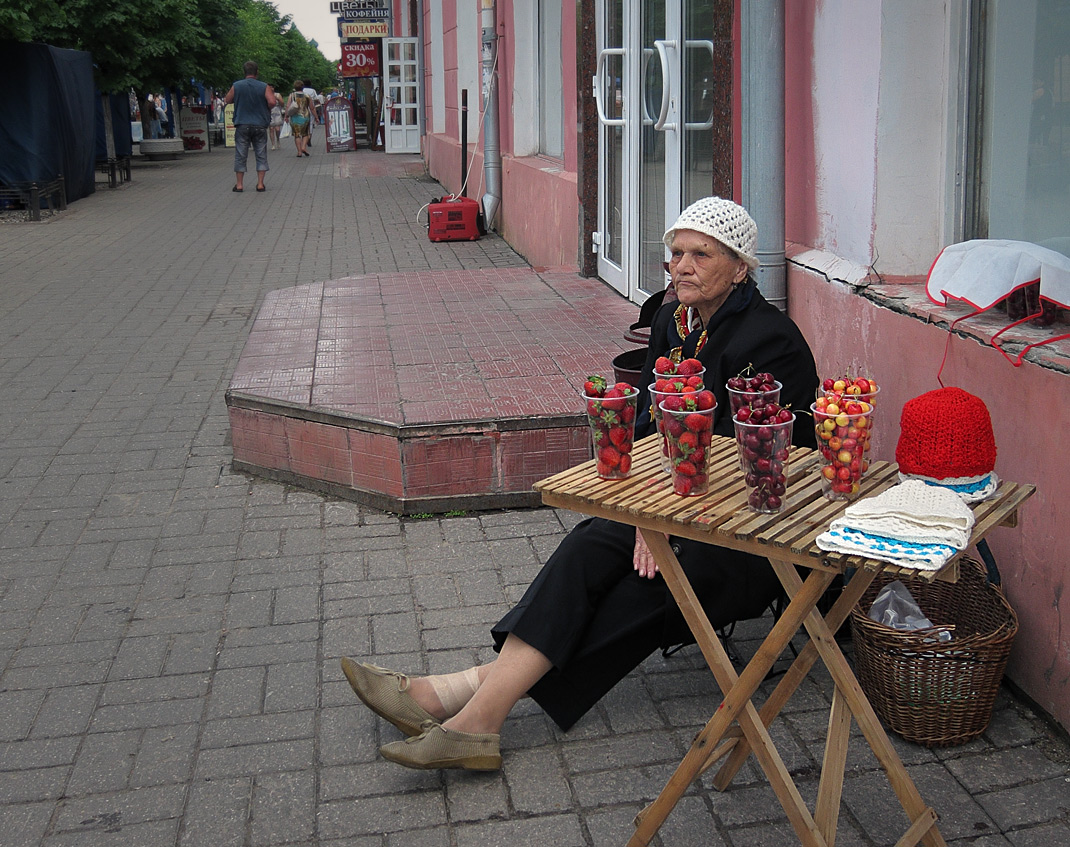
point(721, 516)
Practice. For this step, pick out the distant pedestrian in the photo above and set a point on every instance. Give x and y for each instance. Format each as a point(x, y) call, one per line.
point(150, 120)
point(252, 101)
point(299, 114)
point(275, 125)
point(313, 108)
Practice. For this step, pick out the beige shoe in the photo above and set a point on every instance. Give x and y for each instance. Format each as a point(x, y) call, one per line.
point(438, 747)
point(386, 693)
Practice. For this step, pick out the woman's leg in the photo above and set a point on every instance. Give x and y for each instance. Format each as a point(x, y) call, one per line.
point(518, 667)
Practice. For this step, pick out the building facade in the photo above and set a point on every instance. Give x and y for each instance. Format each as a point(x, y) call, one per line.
point(907, 126)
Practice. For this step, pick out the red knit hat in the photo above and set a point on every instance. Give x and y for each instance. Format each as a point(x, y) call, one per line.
point(946, 435)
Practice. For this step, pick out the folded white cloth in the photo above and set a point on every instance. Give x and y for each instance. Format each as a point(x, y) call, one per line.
point(925, 557)
point(913, 524)
point(913, 511)
point(984, 271)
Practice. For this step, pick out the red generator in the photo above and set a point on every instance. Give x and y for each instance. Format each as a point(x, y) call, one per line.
point(453, 219)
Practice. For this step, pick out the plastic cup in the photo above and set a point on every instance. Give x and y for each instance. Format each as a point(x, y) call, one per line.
point(755, 399)
point(763, 456)
point(655, 400)
point(869, 397)
point(699, 374)
point(843, 437)
point(688, 435)
point(612, 421)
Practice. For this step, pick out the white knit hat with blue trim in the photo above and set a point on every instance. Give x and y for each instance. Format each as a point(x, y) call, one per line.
point(724, 220)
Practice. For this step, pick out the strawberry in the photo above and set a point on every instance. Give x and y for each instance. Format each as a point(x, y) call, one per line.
point(697, 422)
point(625, 464)
point(609, 456)
point(663, 384)
point(613, 400)
point(664, 365)
point(705, 400)
point(689, 441)
point(681, 485)
point(605, 470)
point(695, 382)
point(673, 426)
point(674, 404)
point(627, 414)
point(620, 436)
point(624, 388)
point(595, 386)
point(690, 366)
point(686, 468)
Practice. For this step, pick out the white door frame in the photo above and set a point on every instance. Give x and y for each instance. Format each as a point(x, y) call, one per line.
point(621, 133)
point(401, 103)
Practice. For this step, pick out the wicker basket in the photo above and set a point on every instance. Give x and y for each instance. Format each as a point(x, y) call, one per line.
point(937, 693)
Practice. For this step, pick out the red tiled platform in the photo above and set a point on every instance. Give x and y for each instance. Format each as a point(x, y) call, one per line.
point(421, 392)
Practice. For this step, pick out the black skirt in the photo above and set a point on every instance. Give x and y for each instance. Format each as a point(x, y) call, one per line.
point(596, 619)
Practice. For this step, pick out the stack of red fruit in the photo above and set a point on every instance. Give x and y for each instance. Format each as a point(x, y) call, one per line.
point(611, 414)
point(763, 439)
point(672, 378)
point(843, 421)
point(688, 422)
point(754, 391)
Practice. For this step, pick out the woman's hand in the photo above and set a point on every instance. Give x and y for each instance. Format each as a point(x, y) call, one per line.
point(643, 559)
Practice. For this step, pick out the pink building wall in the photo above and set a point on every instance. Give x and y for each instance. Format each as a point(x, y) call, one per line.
point(540, 204)
point(832, 200)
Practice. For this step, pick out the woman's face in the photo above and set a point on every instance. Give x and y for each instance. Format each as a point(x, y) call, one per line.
point(703, 271)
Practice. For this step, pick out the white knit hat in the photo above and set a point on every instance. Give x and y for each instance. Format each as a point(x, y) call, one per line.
point(724, 220)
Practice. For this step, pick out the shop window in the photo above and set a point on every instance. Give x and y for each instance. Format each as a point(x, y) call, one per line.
point(1020, 123)
point(551, 96)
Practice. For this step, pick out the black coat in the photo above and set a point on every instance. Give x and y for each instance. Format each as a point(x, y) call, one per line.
point(588, 611)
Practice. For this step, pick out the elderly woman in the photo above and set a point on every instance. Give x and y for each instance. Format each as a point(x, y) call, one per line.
point(599, 607)
point(299, 114)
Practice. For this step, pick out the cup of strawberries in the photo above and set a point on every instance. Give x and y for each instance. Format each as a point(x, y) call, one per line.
point(688, 421)
point(611, 415)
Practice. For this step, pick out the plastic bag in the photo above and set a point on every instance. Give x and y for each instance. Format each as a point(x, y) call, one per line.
point(285, 132)
point(896, 607)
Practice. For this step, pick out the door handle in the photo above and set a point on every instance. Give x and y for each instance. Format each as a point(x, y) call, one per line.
point(599, 84)
point(691, 44)
point(661, 124)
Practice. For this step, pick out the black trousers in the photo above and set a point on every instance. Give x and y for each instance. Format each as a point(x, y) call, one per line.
point(596, 619)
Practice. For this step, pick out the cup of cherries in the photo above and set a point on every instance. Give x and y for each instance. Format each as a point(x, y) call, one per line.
point(843, 422)
point(763, 440)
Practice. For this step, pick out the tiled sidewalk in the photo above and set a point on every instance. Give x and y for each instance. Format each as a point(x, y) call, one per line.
point(170, 629)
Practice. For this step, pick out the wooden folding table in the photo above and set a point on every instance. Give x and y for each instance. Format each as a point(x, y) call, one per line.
point(721, 517)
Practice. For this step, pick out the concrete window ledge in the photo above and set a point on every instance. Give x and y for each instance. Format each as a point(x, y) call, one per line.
point(156, 149)
point(906, 295)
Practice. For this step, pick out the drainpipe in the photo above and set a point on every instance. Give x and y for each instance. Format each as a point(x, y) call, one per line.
point(492, 152)
point(762, 26)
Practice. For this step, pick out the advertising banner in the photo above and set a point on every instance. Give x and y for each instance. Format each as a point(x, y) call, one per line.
point(338, 114)
point(352, 30)
point(193, 126)
point(228, 123)
point(360, 59)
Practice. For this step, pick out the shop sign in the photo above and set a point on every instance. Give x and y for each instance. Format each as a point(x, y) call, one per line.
point(339, 119)
point(351, 30)
point(193, 125)
point(340, 7)
point(360, 59)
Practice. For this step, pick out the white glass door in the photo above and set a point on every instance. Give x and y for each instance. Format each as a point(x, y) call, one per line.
point(401, 108)
point(653, 91)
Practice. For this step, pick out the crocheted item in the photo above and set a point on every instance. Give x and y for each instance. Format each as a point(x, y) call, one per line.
point(912, 524)
point(922, 557)
point(724, 220)
point(945, 437)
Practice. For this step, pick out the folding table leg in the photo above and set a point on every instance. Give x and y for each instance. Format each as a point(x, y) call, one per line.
point(736, 704)
point(795, 675)
point(830, 788)
point(922, 818)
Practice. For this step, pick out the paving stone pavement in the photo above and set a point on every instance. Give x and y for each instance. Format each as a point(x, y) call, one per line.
point(170, 629)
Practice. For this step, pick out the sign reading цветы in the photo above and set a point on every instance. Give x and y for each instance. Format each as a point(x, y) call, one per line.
point(339, 6)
